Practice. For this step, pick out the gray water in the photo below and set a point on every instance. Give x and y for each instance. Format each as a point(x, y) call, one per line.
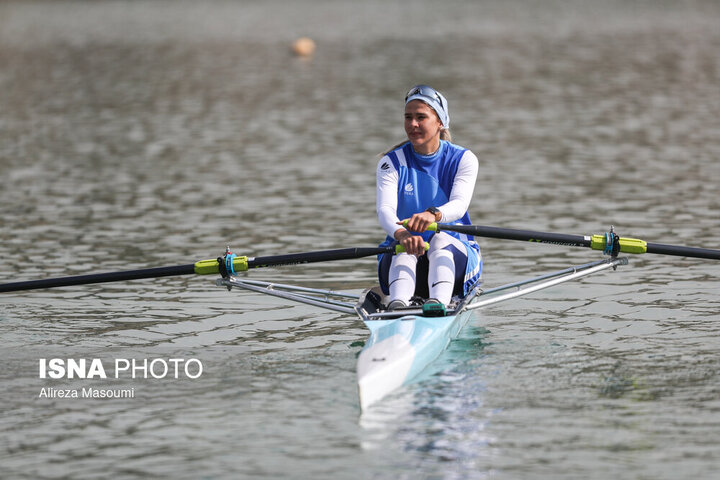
point(145, 134)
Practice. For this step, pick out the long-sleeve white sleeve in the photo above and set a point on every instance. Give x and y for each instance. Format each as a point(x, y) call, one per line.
point(386, 198)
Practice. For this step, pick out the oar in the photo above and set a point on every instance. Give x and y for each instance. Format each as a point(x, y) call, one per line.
point(596, 242)
point(203, 267)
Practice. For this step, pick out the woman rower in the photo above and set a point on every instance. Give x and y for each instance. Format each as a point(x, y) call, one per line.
point(424, 180)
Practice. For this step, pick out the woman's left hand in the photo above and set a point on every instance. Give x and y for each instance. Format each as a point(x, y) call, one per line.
point(419, 221)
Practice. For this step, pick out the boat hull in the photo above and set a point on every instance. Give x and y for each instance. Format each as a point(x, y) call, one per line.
point(398, 350)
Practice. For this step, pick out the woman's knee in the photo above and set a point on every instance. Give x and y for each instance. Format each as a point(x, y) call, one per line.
point(439, 241)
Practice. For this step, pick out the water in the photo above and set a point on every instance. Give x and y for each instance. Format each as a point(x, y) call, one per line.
point(146, 134)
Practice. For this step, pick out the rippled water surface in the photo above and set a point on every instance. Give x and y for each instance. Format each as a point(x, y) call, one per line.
point(144, 134)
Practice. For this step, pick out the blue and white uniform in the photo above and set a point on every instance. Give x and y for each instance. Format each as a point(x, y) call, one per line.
point(409, 183)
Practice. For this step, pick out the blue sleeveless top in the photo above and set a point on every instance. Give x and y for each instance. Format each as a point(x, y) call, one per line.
point(426, 181)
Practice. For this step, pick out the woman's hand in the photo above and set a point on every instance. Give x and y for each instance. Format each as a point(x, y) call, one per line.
point(413, 244)
point(419, 222)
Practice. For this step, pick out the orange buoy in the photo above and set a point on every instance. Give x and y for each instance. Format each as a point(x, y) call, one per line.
point(303, 47)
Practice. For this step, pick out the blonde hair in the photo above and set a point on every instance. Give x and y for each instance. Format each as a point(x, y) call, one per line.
point(444, 135)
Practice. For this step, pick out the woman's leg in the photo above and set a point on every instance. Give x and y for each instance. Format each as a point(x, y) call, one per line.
point(401, 278)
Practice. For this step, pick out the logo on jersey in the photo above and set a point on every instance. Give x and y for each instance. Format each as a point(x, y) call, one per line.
point(409, 189)
point(384, 166)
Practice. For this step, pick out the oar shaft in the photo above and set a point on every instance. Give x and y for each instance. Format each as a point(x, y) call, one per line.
point(523, 235)
point(321, 256)
point(99, 278)
point(681, 251)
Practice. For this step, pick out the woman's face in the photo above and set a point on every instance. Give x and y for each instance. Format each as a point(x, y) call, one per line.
point(422, 127)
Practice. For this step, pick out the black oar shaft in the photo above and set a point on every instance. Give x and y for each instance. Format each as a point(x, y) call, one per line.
point(523, 235)
point(321, 256)
point(681, 251)
point(99, 278)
